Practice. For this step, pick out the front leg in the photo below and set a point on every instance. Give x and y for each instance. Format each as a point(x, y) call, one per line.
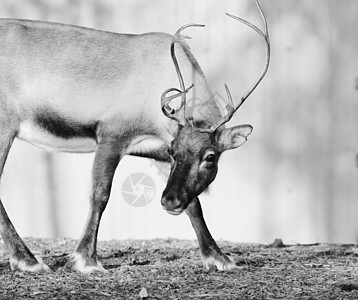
point(210, 252)
point(84, 258)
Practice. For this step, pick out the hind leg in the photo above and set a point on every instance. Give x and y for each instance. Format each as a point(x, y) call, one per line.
point(21, 257)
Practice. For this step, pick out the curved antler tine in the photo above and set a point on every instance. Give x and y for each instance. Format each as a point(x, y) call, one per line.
point(231, 103)
point(230, 111)
point(229, 107)
point(179, 38)
point(264, 34)
point(254, 27)
point(169, 112)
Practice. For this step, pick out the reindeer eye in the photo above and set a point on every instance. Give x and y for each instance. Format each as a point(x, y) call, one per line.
point(210, 158)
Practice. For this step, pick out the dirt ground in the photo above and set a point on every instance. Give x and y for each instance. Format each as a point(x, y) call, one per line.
point(171, 269)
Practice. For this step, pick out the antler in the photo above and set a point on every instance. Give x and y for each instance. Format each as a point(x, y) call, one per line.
point(177, 114)
point(230, 107)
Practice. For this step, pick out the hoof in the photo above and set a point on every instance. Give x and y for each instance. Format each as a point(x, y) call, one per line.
point(36, 265)
point(218, 261)
point(79, 264)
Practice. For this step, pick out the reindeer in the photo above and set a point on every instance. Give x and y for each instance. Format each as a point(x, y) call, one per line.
point(75, 89)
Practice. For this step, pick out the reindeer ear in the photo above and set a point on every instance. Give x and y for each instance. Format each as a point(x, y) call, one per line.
point(231, 138)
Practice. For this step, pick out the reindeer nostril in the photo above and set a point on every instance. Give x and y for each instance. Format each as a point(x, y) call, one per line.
point(170, 202)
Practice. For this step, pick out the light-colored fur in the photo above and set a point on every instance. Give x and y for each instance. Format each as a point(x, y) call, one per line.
point(88, 75)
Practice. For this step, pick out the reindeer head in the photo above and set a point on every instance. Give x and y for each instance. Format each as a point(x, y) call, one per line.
point(196, 149)
point(195, 155)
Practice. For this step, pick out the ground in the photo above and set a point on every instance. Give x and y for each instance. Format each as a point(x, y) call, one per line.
point(171, 269)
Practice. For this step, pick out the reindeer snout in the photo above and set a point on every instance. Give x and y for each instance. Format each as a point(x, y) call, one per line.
point(171, 204)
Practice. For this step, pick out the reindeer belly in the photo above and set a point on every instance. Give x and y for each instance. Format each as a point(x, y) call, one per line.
point(54, 133)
